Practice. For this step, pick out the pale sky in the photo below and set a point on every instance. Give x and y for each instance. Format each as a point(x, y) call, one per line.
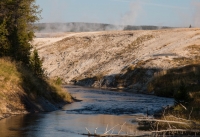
point(177, 13)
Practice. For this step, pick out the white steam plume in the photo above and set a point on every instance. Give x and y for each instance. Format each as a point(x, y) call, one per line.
point(196, 6)
point(130, 17)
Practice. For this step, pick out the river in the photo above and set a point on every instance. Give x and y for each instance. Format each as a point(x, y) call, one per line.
point(99, 108)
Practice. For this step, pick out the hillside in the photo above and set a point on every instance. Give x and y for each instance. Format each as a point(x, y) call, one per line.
point(22, 92)
point(117, 59)
point(163, 62)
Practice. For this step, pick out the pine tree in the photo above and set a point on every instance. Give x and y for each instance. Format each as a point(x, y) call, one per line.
point(4, 46)
point(36, 64)
point(17, 29)
point(22, 33)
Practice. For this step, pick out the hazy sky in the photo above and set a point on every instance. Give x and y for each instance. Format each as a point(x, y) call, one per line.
point(124, 12)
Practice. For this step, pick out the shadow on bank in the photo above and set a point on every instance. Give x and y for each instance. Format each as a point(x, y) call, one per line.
point(41, 94)
point(181, 83)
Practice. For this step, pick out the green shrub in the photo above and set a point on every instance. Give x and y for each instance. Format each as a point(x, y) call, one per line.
point(36, 64)
point(58, 81)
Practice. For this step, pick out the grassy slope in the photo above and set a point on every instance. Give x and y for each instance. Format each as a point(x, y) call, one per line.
point(22, 92)
point(169, 83)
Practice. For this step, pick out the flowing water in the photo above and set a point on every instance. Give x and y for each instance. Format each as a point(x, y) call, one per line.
point(99, 108)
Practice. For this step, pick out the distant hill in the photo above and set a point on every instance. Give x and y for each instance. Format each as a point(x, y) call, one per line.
point(88, 27)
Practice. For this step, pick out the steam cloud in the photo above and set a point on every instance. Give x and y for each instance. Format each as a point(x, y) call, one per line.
point(196, 6)
point(128, 18)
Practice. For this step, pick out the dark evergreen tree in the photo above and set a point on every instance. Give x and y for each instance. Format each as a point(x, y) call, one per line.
point(17, 29)
point(36, 64)
point(4, 45)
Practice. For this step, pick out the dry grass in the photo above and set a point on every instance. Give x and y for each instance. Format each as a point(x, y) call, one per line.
point(170, 80)
point(17, 81)
point(9, 79)
point(59, 91)
point(183, 61)
point(47, 88)
point(8, 74)
point(194, 47)
point(179, 113)
point(140, 40)
point(131, 67)
point(168, 83)
point(176, 122)
point(99, 76)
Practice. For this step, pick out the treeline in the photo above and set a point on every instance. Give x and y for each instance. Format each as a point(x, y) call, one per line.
point(17, 30)
point(88, 27)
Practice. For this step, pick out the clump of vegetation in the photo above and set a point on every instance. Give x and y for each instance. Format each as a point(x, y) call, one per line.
point(194, 48)
point(58, 81)
point(182, 60)
point(183, 85)
point(140, 40)
point(99, 76)
point(168, 83)
point(36, 64)
point(8, 74)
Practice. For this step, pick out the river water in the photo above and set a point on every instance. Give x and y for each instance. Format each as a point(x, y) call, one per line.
point(99, 108)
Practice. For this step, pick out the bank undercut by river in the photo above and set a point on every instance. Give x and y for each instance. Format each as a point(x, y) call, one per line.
point(22, 92)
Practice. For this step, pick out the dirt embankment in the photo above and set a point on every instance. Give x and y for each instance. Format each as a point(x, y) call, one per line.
point(22, 92)
point(18, 102)
point(117, 59)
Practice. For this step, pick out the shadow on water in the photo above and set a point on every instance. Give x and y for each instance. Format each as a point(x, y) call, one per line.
point(17, 126)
